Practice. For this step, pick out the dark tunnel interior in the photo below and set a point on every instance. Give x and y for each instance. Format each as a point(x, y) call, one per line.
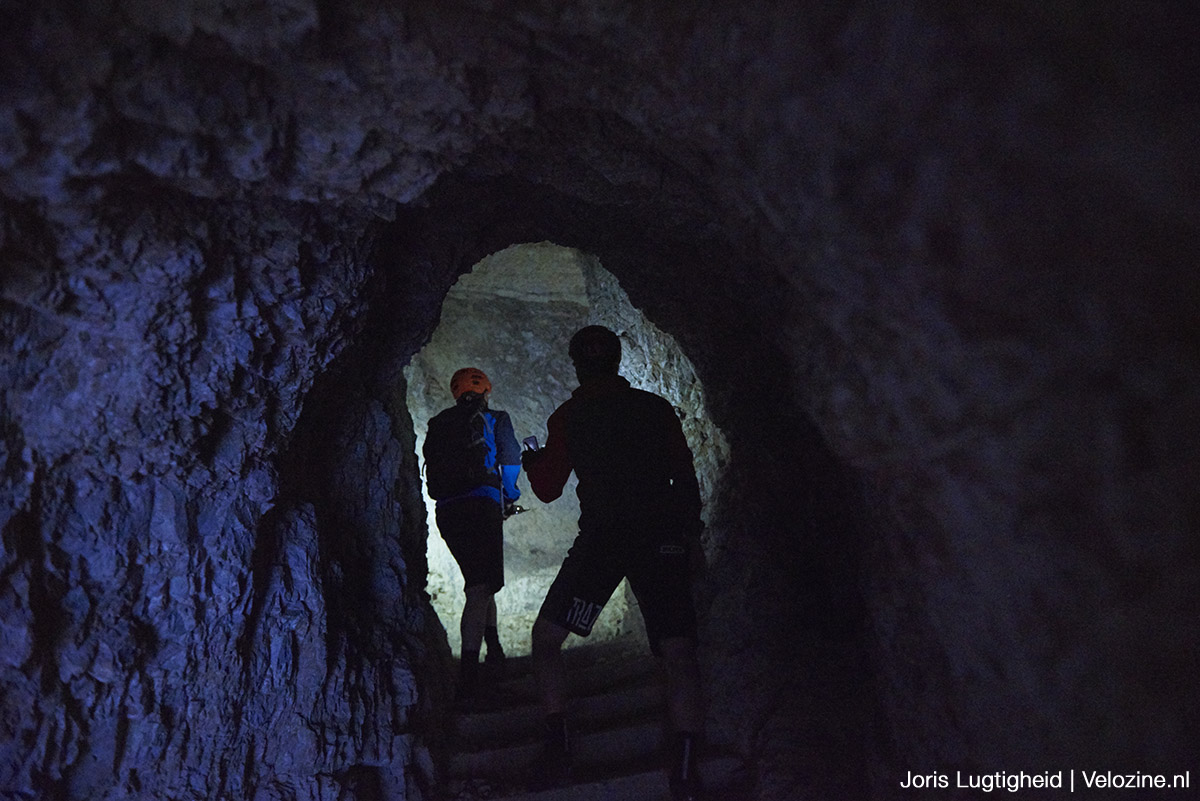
point(919, 279)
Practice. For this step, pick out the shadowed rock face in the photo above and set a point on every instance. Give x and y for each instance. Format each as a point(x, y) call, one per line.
point(934, 269)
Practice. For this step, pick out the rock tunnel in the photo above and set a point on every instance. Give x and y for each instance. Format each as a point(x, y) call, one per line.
point(932, 266)
point(553, 292)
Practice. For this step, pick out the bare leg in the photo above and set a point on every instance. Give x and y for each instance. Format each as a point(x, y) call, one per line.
point(475, 616)
point(553, 767)
point(491, 612)
point(548, 665)
point(685, 706)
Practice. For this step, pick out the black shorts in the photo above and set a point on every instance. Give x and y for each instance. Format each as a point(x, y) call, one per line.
point(473, 529)
point(658, 573)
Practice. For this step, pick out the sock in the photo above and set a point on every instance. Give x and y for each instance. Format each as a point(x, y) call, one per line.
point(491, 636)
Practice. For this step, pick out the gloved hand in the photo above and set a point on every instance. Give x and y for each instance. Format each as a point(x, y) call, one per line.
point(529, 457)
point(510, 509)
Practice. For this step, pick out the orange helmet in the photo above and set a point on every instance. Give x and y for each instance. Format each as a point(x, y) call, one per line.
point(469, 379)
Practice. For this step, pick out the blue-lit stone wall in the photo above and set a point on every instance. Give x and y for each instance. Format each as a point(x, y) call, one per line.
point(935, 271)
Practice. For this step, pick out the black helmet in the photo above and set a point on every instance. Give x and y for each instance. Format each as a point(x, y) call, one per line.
point(595, 349)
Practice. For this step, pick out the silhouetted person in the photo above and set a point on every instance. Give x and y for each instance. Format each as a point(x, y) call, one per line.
point(639, 519)
point(472, 461)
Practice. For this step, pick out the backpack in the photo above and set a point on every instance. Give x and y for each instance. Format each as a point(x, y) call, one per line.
point(460, 451)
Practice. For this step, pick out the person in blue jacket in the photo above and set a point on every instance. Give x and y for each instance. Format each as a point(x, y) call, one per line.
point(471, 523)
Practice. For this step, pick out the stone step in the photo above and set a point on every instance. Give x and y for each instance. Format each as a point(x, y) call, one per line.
point(589, 672)
point(593, 752)
point(475, 731)
point(725, 779)
point(584, 651)
point(617, 714)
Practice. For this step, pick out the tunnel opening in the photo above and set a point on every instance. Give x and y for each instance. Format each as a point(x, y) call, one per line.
point(783, 631)
point(512, 316)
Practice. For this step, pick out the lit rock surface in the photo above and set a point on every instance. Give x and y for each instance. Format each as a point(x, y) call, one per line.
point(511, 317)
point(934, 270)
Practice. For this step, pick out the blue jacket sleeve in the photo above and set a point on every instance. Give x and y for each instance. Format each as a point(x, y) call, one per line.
point(509, 473)
point(508, 454)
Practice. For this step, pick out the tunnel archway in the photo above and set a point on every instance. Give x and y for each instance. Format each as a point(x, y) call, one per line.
point(512, 316)
point(782, 604)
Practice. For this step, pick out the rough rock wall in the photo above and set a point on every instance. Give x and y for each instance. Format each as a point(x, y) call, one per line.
point(383, 666)
point(160, 357)
point(960, 241)
point(172, 612)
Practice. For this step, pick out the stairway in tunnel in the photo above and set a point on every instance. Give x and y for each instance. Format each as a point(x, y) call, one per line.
point(617, 714)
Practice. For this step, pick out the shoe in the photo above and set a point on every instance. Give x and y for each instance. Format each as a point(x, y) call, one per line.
point(495, 666)
point(685, 789)
point(550, 770)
